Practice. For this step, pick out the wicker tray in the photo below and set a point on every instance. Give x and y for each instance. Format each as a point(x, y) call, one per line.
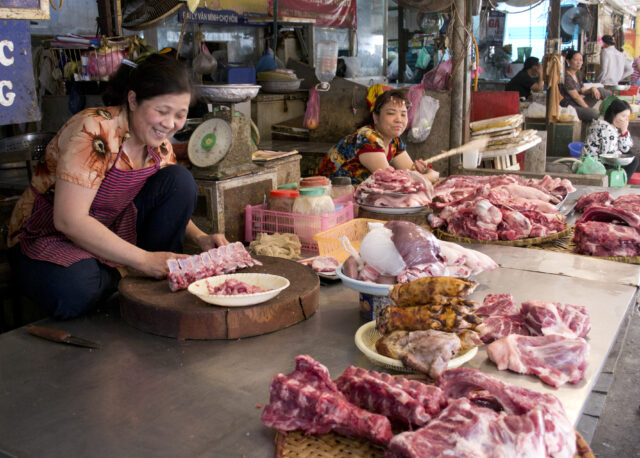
point(332, 445)
point(521, 242)
point(565, 245)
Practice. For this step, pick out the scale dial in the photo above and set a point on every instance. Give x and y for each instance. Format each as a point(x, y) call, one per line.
point(210, 142)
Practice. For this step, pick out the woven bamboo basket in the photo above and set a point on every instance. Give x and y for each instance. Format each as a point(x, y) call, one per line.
point(528, 242)
point(566, 245)
point(332, 445)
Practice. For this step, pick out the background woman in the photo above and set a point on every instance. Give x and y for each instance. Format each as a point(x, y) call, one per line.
point(575, 94)
point(108, 194)
point(611, 135)
point(375, 145)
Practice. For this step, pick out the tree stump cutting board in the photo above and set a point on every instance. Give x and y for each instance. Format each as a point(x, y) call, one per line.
point(150, 306)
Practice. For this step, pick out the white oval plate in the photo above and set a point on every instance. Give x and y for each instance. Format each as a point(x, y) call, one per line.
point(367, 336)
point(274, 283)
point(393, 210)
point(367, 287)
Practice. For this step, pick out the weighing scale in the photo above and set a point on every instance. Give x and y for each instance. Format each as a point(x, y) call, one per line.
point(221, 146)
point(616, 174)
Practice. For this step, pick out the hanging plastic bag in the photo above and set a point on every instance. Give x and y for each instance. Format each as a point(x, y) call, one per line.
point(591, 166)
point(204, 63)
point(439, 77)
point(312, 115)
point(423, 60)
point(423, 119)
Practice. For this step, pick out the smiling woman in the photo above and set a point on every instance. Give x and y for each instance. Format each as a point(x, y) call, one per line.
point(108, 194)
point(376, 145)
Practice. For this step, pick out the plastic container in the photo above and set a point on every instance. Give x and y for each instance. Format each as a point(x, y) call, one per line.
point(341, 186)
point(259, 219)
point(316, 182)
point(326, 61)
point(282, 200)
point(313, 201)
point(241, 75)
point(293, 185)
point(575, 149)
point(372, 306)
point(355, 230)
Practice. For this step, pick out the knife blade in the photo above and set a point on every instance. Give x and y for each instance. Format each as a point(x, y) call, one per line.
point(58, 335)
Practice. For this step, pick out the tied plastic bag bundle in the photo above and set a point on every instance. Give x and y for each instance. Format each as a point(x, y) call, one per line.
point(312, 114)
point(423, 119)
point(536, 110)
point(378, 250)
point(591, 166)
point(439, 77)
point(204, 63)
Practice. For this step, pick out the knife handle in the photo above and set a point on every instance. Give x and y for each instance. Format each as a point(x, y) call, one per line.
point(56, 335)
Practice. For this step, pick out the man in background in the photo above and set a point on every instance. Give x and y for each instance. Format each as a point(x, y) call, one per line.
point(528, 79)
point(614, 66)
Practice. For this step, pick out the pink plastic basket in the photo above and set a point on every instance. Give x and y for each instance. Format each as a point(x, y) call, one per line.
point(260, 220)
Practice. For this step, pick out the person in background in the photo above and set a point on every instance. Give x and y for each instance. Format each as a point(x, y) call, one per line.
point(375, 145)
point(611, 135)
point(634, 79)
point(528, 79)
point(107, 194)
point(614, 66)
point(575, 94)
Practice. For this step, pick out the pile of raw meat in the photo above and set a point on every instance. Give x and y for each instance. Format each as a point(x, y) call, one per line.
point(217, 261)
point(608, 226)
point(322, 264)
point(233, 286)
point(394, 188)
point(401, 251)
point(467, 413)
point(546, 339)
point(430, 323)
point(501, 207)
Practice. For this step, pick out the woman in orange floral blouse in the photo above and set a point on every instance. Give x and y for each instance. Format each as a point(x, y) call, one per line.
point(108, 194)
point(376, 145)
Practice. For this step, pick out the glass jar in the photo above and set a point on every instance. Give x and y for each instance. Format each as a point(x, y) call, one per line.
point(341, 186)
point(282, 200)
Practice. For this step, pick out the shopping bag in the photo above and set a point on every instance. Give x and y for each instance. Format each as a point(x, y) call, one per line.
point(423, 119)
point(312, 114)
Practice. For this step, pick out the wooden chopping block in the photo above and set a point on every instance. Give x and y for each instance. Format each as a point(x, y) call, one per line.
point(148, 304)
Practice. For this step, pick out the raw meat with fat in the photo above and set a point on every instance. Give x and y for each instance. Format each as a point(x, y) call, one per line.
point(544, 318)
point(554, 359)
point(309, 400)
point(401, 400)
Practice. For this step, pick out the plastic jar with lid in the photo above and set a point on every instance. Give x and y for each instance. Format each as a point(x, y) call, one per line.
point(314, 202)
point(292, 185)
point(341, 186)
point(282, 200)
point(316, 182)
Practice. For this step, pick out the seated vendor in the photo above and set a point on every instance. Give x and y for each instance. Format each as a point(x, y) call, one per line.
point(528, 79)
point(375, 145)
point(611, 135)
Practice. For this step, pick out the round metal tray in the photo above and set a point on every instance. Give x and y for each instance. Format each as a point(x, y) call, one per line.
point(229, 93)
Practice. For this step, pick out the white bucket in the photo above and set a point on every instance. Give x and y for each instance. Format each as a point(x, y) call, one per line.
point(471, 159)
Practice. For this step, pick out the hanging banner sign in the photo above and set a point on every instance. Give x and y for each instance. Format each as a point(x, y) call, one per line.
point(495, 28)
point(18, 101)
point(226, 12)
point(24, 9)
point(328, 13)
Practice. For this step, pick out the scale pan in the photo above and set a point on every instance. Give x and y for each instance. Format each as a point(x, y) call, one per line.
point(229, 93)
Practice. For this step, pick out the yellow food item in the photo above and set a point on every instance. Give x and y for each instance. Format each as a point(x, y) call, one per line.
point(275, 76)
point(431, 290)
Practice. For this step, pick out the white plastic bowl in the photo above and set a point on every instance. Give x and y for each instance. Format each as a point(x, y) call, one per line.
point(274, 283)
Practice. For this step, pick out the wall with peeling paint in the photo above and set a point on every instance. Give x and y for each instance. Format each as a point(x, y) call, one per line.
point(75, 16)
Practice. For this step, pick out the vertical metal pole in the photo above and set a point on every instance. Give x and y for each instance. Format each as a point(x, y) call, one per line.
point(402, 45)
point(468, 19)
point(385, 37)
point(275, 27)
point(553, 32)
point(457, 77)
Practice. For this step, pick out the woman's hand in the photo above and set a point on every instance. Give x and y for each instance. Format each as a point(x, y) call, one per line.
point(154, 263)
point(595, 92)
point(209, 241)
point(432, 175)
point(421, 165)
point(622, 124)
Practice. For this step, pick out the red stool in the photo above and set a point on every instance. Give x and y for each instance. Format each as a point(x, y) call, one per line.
point(635, 179)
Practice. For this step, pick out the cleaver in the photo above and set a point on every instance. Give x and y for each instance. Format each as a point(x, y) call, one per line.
point(57, 335)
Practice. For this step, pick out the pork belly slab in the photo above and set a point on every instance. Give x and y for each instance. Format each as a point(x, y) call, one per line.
point(555, 359)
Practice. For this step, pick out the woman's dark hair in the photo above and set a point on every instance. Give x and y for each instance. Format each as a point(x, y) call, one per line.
point(399, 95)
point(615, 107)
point(156, 75)
point(569, 55)
point(530, 62)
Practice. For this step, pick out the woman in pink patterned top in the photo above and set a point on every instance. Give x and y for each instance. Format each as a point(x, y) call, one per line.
point(108, 194)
